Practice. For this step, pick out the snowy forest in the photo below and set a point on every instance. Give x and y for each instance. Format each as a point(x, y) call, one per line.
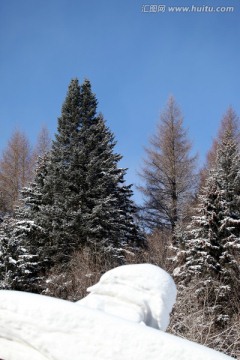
point(67, 215)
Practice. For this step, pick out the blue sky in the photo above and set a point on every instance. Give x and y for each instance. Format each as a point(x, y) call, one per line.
point(135, 60)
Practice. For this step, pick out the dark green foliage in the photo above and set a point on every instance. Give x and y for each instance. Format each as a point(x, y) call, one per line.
point(79, 197)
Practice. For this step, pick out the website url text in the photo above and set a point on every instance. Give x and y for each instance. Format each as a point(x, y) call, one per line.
point(187, 9)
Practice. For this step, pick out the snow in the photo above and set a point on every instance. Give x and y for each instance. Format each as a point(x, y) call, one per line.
point(38, 327)
point(142, 293)
point(10, 350)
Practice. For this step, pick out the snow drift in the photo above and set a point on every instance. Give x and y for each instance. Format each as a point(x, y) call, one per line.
point(37, 327)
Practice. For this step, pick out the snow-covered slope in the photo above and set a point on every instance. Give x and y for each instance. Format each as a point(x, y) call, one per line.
point(41, 328)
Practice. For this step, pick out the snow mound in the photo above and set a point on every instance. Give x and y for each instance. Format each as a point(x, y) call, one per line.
point(141, 293)
point(37, 327)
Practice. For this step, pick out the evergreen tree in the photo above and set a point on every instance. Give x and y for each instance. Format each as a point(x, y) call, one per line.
point(108, 216)
point(79, 196)
point(35, 206)
point(230, 122)
point(212, 246)
point(19, 267)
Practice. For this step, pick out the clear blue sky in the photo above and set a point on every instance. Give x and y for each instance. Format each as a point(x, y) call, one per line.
point(133, 59)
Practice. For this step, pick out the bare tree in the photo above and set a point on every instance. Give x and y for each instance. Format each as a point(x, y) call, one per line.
point(44, 142)
point(15, 169)
point(168, 171)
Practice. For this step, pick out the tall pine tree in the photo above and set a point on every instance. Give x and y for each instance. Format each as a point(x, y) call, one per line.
point(79, 196)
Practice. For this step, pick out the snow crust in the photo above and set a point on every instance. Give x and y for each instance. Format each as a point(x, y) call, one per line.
point(141, 293)
point(38, 327)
